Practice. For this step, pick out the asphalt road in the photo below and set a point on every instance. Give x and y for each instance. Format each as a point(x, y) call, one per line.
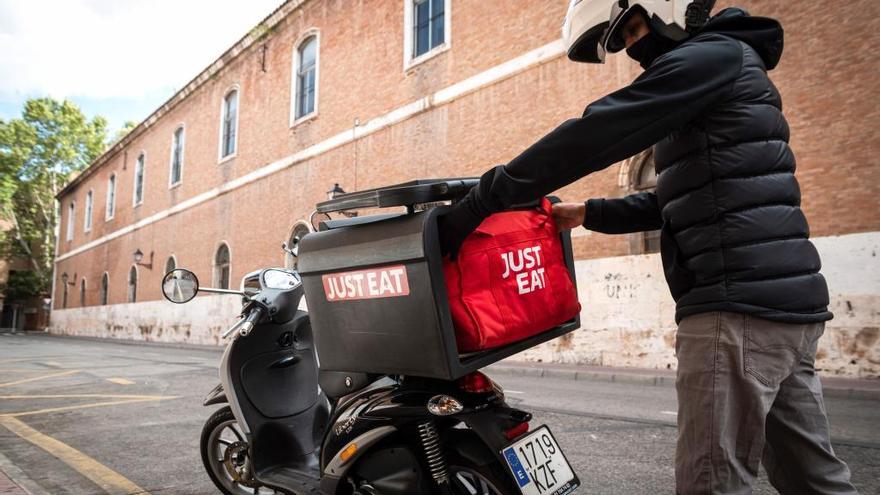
point(126, 418)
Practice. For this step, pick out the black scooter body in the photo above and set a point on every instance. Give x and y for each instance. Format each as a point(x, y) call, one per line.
point(311, 431)
point(271, 377)
point(296, 433)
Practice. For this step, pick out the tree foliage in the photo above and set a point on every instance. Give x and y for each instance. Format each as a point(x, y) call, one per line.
point(39, 153)
point(122, 132)
point(21, 286)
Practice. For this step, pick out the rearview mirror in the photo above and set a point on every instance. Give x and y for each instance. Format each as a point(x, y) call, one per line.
point(180, 285)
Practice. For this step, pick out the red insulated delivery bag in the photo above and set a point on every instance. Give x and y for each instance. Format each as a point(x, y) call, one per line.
point(510, 281)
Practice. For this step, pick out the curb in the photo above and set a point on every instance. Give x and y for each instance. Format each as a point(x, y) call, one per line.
point(845, 388)
point(13, 481)
point(585, 373)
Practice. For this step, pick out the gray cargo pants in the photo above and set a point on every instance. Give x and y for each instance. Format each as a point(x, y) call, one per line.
point(747, 394)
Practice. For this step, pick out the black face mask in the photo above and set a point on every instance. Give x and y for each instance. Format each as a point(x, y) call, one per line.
point(649, 47)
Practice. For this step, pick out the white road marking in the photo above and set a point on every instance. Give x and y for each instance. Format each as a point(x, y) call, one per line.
point(670, 413)
point(120, 381)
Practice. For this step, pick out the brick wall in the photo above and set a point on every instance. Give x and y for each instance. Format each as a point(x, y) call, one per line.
point(827, 79)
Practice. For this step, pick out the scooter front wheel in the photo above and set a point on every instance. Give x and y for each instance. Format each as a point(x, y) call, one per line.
point(225, 456)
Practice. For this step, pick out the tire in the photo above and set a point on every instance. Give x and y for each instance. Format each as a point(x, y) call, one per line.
point(213, 444)
point(468, 478)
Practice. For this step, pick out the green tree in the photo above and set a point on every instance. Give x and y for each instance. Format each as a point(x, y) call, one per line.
point(121, 133)
point(39, 153)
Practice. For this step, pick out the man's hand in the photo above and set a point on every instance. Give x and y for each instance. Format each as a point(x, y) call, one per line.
point(569, 215)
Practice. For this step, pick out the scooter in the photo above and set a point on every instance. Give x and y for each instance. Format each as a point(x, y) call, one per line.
point(286, 426)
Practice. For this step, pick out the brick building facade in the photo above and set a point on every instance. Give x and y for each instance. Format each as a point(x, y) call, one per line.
point(371, 92)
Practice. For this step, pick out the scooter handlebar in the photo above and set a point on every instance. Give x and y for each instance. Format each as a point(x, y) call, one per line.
point(252, 319)
point(246, 324)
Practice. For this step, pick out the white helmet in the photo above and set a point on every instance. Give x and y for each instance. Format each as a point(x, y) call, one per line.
point(591, 26)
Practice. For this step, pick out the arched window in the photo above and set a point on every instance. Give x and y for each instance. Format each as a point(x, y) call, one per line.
point(87, 225)
point(82, 292)
point(64, 290)
point(229, 124)
point(111, 197)
point(647, 176)
point(105, 286)
point(176, 157)
point(132, 284)
point(221, 267)
point(299, 231)
point(644, 179)
point(306, 77)
point(170, 264)
point(139, 179)
point(71, 217)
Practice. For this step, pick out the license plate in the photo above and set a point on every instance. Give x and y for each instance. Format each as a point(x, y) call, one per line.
point(539, 466)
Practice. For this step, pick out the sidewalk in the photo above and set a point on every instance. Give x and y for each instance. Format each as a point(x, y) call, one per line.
point(10, 472)
point(854, 388)
point(8, 487)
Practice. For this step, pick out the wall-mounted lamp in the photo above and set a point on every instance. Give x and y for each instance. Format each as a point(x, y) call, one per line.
point(139, 257)
point(336, 191)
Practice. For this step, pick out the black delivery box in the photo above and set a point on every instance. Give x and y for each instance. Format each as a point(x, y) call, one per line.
point(375, 289)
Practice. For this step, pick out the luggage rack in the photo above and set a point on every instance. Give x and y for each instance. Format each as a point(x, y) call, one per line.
point(406, 194)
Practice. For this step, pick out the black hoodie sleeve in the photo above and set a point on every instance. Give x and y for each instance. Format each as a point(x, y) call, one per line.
point(678, 87)
point(634, 213)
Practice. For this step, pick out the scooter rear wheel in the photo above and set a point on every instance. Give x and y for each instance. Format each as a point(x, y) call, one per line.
point(225, 456)
point(468, 478)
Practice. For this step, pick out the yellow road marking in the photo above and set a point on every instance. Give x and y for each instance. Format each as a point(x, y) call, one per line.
point(111, 481)
point(43, 377)
point(120, 381)
point(84, 406)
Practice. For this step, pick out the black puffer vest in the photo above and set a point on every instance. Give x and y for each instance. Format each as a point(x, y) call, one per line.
point(734, 236)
